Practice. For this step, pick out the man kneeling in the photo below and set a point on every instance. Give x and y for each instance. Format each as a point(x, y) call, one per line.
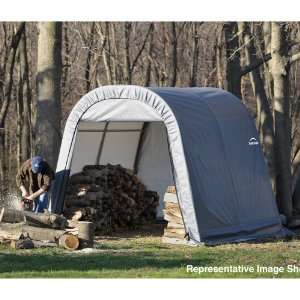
point(34, 180)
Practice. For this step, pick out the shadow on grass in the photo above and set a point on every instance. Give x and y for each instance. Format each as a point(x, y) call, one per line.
point(150, 246)
point(10, 263)
point(147, 230)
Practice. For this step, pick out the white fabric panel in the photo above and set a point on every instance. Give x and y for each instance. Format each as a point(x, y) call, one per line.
point(121, 110)
point(85, 150)
point(125, 126)
point(154, 168)
point(84, 125)
point(120, 148)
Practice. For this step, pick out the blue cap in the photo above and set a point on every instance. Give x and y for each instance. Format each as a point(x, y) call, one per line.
point(37, 164)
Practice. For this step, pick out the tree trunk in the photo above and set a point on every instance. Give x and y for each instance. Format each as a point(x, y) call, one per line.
point(149, 60)
point(89, 58)
point(127, 59)
point(114, 51)
point(220, 60)
point(174, 62)
point(48, 132)
point(264, 114)
point(267, 66)
point(280, 74)
point(232, 64)
point(26, 140)
point(195, 61)
point(7, 94)
point(20, 113)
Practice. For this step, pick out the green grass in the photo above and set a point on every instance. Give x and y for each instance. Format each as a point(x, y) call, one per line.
point(146, 257)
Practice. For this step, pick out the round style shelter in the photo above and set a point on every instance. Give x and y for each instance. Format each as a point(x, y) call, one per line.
point(202, 140)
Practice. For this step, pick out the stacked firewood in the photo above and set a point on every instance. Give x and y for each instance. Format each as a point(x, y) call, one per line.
point(111, 197)
point(175, 228)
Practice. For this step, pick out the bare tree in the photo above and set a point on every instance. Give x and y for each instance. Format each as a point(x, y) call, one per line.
point(24, 102)
point(49, 66)
point(280, 68)
point(149, 59)
point(174, 63)
point(232, 61)
point(195, 51)
point(264, 119)
point(6, 95)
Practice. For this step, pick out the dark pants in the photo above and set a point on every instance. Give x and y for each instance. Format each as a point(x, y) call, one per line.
point(41, 203)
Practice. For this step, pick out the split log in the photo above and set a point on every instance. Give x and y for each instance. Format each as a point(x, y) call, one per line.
point(175, 232)
point(175, 228)
point(172, 213)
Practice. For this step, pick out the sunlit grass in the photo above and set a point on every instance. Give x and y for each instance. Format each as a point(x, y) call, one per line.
point(146, 257)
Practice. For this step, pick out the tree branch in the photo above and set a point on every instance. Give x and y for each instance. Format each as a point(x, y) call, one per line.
point(142, 48)
point(294, 57)
point(246, 69)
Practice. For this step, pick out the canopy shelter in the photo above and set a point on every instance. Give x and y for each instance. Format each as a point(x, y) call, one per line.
point(203, 140)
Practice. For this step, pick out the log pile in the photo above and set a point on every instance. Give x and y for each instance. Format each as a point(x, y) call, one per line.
point(111, 197)
point(175, 229)
point(26, 230)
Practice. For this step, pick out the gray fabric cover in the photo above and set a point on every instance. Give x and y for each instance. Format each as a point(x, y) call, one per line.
point(221, 177)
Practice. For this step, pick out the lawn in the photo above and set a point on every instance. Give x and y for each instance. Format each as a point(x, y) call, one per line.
point(145, 256)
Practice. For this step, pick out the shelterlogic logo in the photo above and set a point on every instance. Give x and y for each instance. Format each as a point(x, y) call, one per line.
point(252, 141)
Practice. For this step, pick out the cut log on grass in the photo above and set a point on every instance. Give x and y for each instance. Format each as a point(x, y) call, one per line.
point(86, 234)
point(19, 231)
point(45, 219)
point(68, 241)
point(11, 231)
point(63, 238)
point(9, 215)
point(44, 244)
point(42, 234)
point(22, 244)
point(30, 244)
